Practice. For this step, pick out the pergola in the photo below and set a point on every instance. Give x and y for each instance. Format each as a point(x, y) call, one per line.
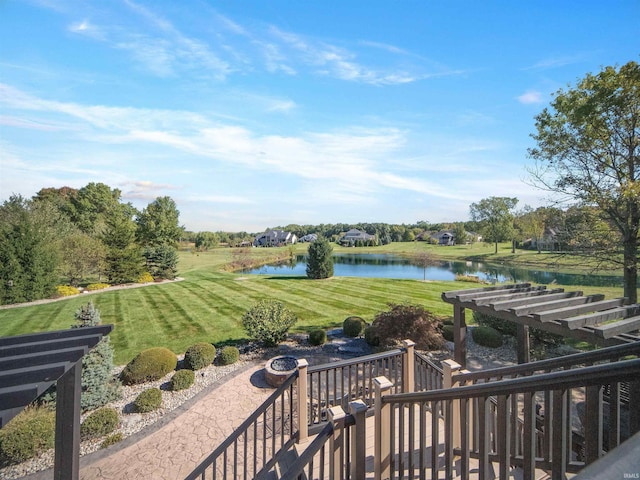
point(30, 364)
point(588, 318)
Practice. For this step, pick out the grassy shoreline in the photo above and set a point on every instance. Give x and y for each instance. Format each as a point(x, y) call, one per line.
point(208, 304)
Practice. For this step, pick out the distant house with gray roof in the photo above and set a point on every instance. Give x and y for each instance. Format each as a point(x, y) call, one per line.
point(352, 236)
point(273, 238)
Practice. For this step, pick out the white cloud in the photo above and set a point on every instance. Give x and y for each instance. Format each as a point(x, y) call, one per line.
point(531, 97)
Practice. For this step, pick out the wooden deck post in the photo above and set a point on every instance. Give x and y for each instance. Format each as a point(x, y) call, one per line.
point(459, 336)
point(524, 344)
point(408, 366)
point(303, 413)
point(382, 450)
point(358, 440)
point(336, 443)
point(67, 452)
point(449, 368)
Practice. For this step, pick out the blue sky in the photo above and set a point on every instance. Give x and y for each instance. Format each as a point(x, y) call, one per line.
point(258, 113)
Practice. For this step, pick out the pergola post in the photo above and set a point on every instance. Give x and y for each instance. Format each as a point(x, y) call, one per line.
point(67, 443)
point(523, 342)
point(459, 336)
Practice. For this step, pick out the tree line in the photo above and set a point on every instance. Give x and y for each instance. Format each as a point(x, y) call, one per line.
point(73, 235)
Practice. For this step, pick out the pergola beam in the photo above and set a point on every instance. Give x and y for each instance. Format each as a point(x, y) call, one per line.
point(569, 314)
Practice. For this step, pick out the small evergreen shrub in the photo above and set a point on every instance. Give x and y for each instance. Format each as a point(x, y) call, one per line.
point(228, 355)
point(148, 401)
point(97, 286)
point(447, 321)
point(66, 291)
point(539, 338)
point(145, 278)
point(487, 337)
point(99, 423)
point(371, 337)
point(28, 434)
point(111, 440)
point(353, 326)
point(447, 332)
point(268, 321)
point(151, 364)
point(98, 385)
point(317, 337)
point(181, 379)
point(199, 355)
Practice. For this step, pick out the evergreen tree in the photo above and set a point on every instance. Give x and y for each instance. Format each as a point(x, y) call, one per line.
point(162, 261)
point(320, 260)
point(98, 384)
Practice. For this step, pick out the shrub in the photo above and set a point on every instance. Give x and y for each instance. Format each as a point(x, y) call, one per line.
point(66, 291)
point(31, 432)
point(145, 278)
point(151, 364)
point(353, 326)
point(97, 286)
point(487, 337)
point(98, 384)
point(447, 332)
point(199, 355)
point(371, 337)
point(99, 423)
point(539, 338)
point(320, 259)
point(111, 440)
point(268, 321)
point(148, 401)
point(181, 379)
point(318, 337)
point(228, 355)
point(408, 321)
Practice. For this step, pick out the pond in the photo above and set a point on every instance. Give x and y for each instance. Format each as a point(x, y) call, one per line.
point(394, 266)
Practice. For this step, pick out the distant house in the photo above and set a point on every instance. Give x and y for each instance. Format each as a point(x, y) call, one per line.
point(310, 237)
point(273, 238)
point(447, 238)
point(352, 236)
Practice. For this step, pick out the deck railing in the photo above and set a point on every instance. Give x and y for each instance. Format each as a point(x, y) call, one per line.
point(253, 447)
point(421, 445)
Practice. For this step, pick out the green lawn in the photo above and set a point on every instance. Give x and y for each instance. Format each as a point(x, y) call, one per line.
point(208, 305)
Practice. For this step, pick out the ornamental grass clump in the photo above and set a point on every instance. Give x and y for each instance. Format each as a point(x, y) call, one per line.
point(199, 355)
point(228, 355)
point(28, 434)
point(268, 321)
point(151, 364)
point(148, 401)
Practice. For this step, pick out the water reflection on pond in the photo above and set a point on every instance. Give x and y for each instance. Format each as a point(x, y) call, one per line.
point(393, 266)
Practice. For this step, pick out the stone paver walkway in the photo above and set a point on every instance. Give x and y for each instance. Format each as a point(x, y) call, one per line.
point(174, 450)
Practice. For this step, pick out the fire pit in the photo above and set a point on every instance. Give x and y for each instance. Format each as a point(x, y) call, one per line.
point(278, 369)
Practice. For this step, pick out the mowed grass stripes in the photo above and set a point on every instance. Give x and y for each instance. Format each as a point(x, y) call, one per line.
point(208, 305)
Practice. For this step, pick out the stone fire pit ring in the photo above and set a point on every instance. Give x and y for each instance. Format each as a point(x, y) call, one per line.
point(278, 369)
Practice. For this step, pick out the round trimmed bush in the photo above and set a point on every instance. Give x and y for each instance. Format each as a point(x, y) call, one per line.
point(97, 286)
point(228, 355)
point(353, 326)
point(487, 337)
point(99, 423)
point(447, 332)
point(199, 355)
point(371, 336)
point(182, 379)
point(145, 278)
point(28, 434)
point(318, 337)
point(66, 290)
point(148, 401)
point(151, 364)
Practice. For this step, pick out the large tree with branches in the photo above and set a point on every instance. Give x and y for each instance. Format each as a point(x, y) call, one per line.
point(588, 152)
